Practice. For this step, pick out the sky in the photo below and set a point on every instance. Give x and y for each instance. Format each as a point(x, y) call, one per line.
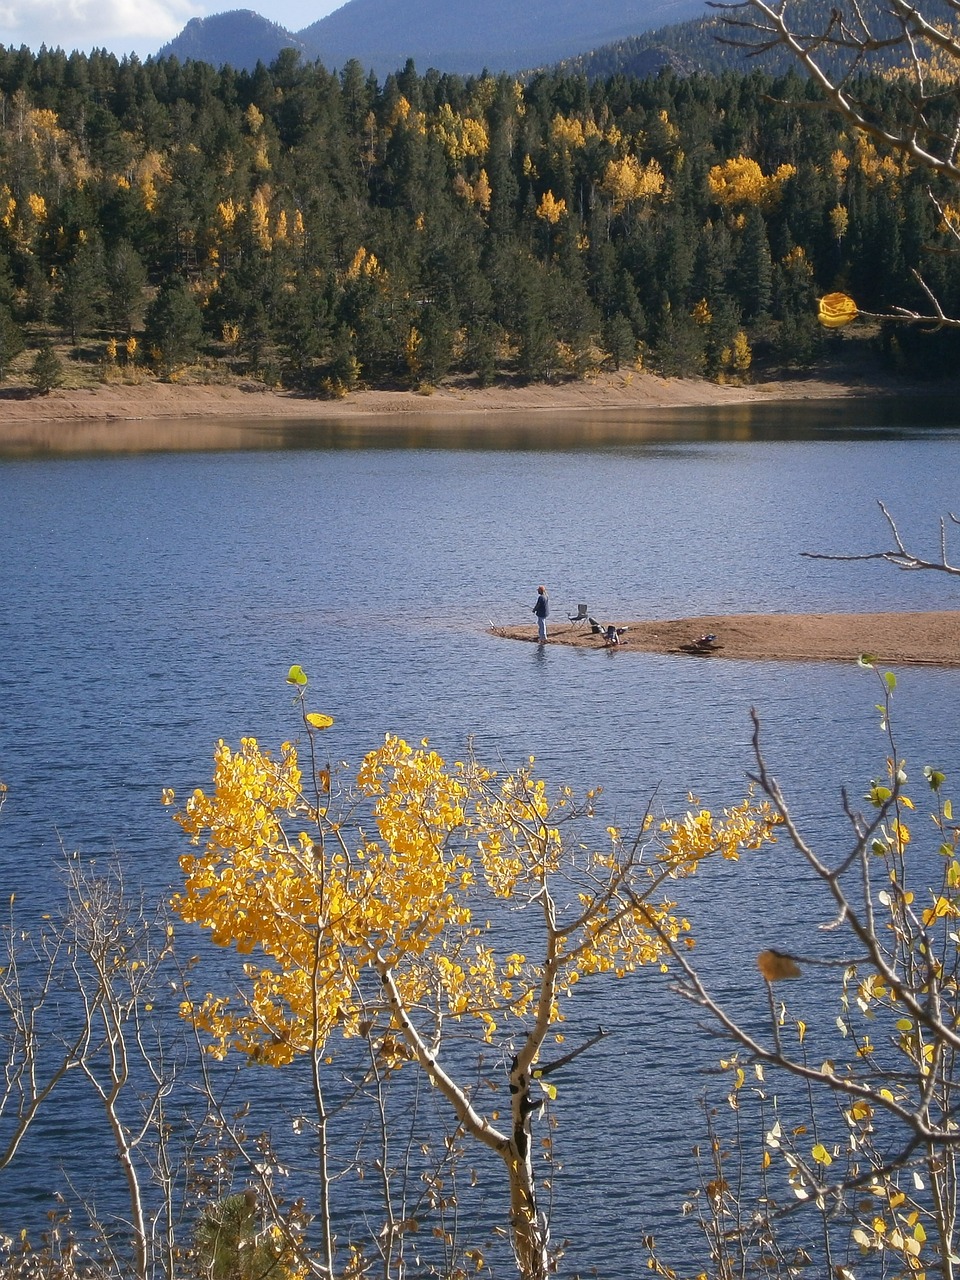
point(132, 26)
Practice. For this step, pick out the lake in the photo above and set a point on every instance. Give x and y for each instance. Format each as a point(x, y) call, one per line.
point(153, 603)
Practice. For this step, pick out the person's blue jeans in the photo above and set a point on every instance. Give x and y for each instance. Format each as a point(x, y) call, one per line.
point(541, 629)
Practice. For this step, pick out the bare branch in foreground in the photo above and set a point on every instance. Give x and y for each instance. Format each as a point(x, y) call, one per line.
point(900, 556)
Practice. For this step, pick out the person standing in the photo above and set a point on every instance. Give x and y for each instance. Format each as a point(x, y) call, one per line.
point(541, 609)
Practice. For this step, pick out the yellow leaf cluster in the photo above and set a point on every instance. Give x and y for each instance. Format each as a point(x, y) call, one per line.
point(570, 133)
point(477, 193)
point(404, 114)
point(147, 174)
point(260, 217)
point(627, 180)
point(697, 834)
point(461, 136)
point(701, 313)
point(388, 898)
point(550, 209)
point(879, 169)
point(365, 264)
point(797, 263)
point(836, 310)
point(37, 206)
point(228, 211)
point(8, 206)
point(839, 164)
point(741, 181)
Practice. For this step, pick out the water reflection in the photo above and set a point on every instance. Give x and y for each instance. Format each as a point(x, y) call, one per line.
point(867, 419)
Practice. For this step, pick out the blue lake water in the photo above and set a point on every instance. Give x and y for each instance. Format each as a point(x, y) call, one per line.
point(153, 603)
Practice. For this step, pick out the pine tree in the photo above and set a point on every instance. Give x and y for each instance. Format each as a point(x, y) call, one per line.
point(173, 327)
point(11, 339)
point(46, 372)
point(126, 283)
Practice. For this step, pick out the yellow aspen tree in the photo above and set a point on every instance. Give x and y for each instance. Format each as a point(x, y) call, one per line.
point(741, 181)
point(482, 192)
point(627, 180)
point(260, 217)
point(741, 356)
point(385, 919)
point(550, 209)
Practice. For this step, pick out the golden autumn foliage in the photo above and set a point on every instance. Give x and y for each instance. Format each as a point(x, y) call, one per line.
point(836, 310)
point(741, 181)
point(880, 168)
point(424, 902)
point(477, 193)
point(627, 180)
point(550, 209)
point(260, 217)
point(569, 132)
point(839, 220)
point(460, 136)
point(364, 264)
point(316, 902)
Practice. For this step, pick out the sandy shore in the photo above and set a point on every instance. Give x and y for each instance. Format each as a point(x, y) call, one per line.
point(153, 399)
point(893, 638)
point(164, 415)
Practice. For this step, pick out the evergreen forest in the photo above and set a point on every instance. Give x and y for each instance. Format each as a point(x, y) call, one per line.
point(322, 230)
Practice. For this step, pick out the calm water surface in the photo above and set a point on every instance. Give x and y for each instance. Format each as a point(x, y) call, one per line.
point(153, 603)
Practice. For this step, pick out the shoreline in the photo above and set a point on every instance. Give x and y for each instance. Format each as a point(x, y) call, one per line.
point(896, 639)
point(153, 415)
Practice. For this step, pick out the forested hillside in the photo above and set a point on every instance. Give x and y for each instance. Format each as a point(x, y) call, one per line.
point(321, 229)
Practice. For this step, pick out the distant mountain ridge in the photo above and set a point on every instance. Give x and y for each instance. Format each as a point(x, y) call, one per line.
point(492, 35)
point(239, 38)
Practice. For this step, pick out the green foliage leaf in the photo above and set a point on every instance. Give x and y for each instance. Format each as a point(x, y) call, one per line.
point(317, 720)
point(866, 660)
point(935, 778)
point(878, 794)
point(890, 680)
point(297, 676)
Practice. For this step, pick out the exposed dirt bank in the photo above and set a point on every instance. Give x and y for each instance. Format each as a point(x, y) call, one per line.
point(157, 415)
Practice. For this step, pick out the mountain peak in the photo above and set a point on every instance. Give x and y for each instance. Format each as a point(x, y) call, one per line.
point(239, 38)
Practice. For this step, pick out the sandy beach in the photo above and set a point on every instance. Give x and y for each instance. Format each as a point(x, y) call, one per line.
point(154, 399)
point(893, 639)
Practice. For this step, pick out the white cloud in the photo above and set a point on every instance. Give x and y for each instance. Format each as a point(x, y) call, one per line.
point(123, 26)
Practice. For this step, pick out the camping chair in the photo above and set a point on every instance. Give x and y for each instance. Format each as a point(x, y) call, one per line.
point(580, 615)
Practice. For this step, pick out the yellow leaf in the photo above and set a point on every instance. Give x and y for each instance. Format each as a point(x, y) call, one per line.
point(836, 310)
point(317, 720)
point(821, 1154)
point(775, 965)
